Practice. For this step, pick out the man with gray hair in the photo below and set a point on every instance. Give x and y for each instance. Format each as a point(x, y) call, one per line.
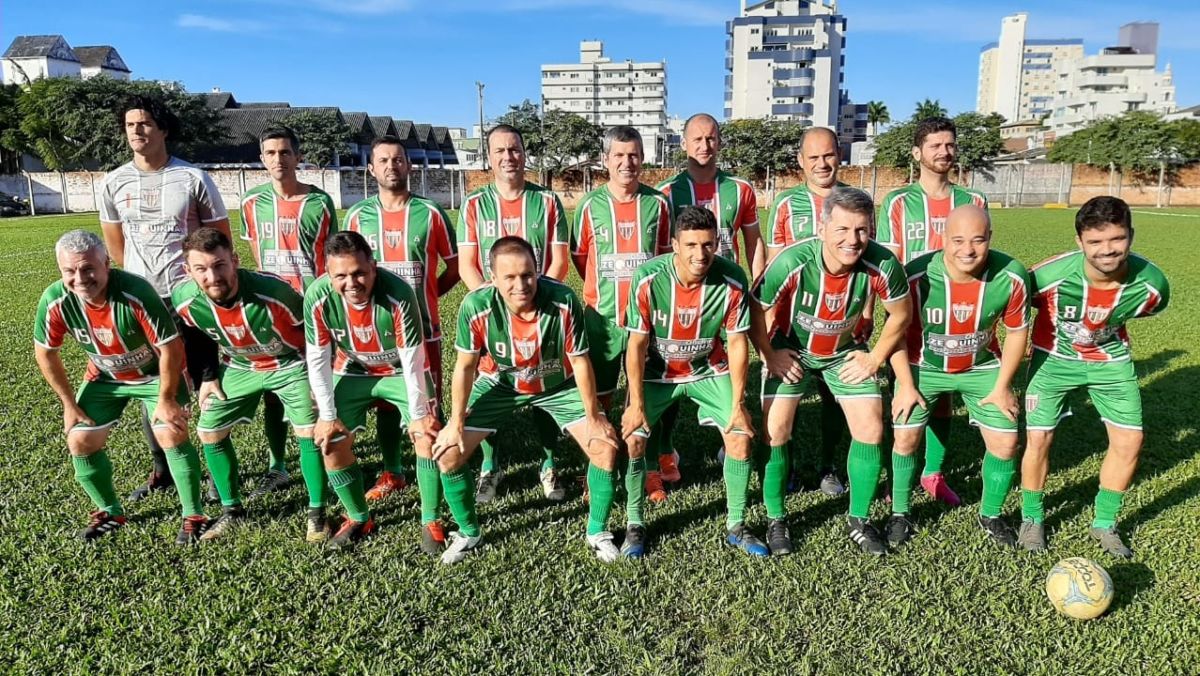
point(818, 289)
point(133, 354)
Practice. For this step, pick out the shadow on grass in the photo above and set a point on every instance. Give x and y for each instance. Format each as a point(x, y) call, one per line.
point(1130, 580)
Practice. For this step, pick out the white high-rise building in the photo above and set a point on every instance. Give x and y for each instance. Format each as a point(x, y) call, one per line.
point(1017, 76)
point(610, 93)
point(783, 60)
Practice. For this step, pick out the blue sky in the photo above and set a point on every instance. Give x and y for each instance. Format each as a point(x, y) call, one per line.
point(419, 59)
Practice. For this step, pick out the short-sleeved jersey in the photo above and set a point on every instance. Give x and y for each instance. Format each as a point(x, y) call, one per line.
point(527, 356)
point(617, 238)
point(816, 312)
point(260, 329)
point(793, 216)
point(688, 328)
point(912, 224)
point(1078, 321)
point(409, 243)
point(288, 236)
point(954, 323)
point(121, 337)
point(157, 210)
point(537, 216)
point(369, 339)
point(729, 197)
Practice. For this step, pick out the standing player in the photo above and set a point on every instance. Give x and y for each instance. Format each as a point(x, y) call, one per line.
point(688, 318)
point(912, 222)
point(286, 223)
point(959, 296)
point(364, 325)
point(818, 289)
point(1083, 299)
point(618, 227)
point(147, 207)
point(257, 321)
point(525, 335)
point(133, 353)
point(512, 206)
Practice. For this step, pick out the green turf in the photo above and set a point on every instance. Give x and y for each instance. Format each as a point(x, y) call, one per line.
point(535, 601)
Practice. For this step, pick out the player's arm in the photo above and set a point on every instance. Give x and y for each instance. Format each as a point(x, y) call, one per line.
point(782, 363)
point(210, 207)
point(755, 251)
point(114, 241)
point(860, 365)
point(50, 363)
point(634, 419)
point(559, 235)
point(907, 398)
point(170, 378)
point(447, 249)
point(468, 269)
point(739, 367)
point(580, 239)
point(318, 356)
point(451, 436)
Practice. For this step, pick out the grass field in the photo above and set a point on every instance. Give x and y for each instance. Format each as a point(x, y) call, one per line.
point(535, 601)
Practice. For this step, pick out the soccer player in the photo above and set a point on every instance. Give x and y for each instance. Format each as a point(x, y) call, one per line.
point(257, 321)
point(511, 205)
point(408, 234)
point(286, 223)
point(912, 222)
point(959, 296)
point(131, 342)
point(817, 289)
point(688, 318)
point(618, 227)
point(1083, 300)
point(364, 325)
point(525, 335)
point(147, 207)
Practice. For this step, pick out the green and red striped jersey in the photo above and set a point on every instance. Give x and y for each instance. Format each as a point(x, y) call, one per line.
point(817, 313)
point(1075, 320)
point(527, 356)
point(409, 243)
point(121, 337)
point(912, 224)
point(288, 236)
point(729, 197)
point(616, 238)
point(259, 329)
point(954, 323)
point(793, 216)
point(688, 328)
point(537, 217)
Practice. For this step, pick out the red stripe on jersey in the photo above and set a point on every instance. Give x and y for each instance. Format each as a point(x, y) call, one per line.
point(587, 246)
point(363, 337)
point(896, 224)
point(831, 305)
point(237, 331)
point(914, 339)
point(962, 318)
point(628, 212)
point(937, 211)
point(102, 322)
point(687, 306)
point(250, 219)
point(526, 351)
point(56, 324)
point(1045, 335)
point(1098, 305)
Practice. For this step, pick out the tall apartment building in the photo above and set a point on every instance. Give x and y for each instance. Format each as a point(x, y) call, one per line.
point(609, 93)
point(1018, 76)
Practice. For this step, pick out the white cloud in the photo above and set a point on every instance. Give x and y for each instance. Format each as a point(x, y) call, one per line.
point(218, 24)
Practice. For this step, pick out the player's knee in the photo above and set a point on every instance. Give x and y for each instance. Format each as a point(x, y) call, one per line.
point(906, 440)
point(1127, 444)
point(779, 432)
point(737, 446)
point(422, 446)
point(340, 456)
point(868, 432)
point(602, 455)
point(450, 462)
point(212, 437)
point(637, 446)
point(1005, 447)
point(169, 437)
point(82, 444)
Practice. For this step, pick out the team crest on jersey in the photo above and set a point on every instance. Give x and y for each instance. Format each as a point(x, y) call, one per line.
point(393, 238)
point(1031, 402)
point(1096, 315)
point(149, 198)
point(287, 226)
point(511, 226)
point(525, 348)
point(938, 225)
point(687, 316)
point(363, 333)
point(238, 332)
point(626, 228)
point(104, 335)
point(962, 311)
point(835, 301)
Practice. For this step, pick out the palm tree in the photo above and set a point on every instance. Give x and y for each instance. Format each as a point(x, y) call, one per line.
point(929, 108)
point(877, 114)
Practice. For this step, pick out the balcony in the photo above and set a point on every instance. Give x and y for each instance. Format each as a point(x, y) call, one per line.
point(1094, 80)
point(795, 76)
point(787, 40)
point(802, 55)
point(800, 92)
point(805, 109)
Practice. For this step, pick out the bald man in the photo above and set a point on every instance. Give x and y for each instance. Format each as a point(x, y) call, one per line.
point(959, 296)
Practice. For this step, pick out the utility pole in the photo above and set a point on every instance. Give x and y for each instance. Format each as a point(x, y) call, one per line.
point(482, 134)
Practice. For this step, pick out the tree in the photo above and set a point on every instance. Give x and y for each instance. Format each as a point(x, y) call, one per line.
point(527, 119)
point(12, 141)
point(323, 135)
point(1136, 141)
point(929, 108)
point(754, 146)
point(568, 139)
point(877, 114)
point(893, 148)
point(979, 140)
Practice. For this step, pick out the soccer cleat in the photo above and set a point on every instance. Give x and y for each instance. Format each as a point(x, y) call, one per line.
point(351, 532)
point(433, 538)
point(779, 540)
point(550, 486)
point(1031, 536)
point(192, 530)
point(741, 537)
point(668, 466)
point(654, 487)
point(485, 487)
point(224, 524)
point(935, 485)
point(899, 530)
point(317, 528)
point(158, 482)
point(1111, 542)
point(459, 547)
point(212, 495)
point(831, 484)
point(100, 523)
point(865, 535)
point(634, 546)
point(998, 530)
point(388, 483)
point(602, 546)
point(272, 480)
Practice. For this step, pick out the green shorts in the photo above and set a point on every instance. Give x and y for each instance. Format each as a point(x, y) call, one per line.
point(353, 395)
point(606, 350)
point(713, 397)
point(243, 389)
point(1112, 385)
point(491, 405)
point(973, 385)
point(103, 400)
point(826, 369)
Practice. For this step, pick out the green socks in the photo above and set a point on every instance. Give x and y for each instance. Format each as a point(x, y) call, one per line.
point(937, 436)
point(863, 465)
point(775, 482)
point(601, 488)
point(548, 432)
point(429, 483)
point(737, 484)
point(312, 467)
point(387, 430)
point(460, 495)
point(1108, 503)
point(997, 479)
point(94, 472)
point(276, 430)
point(635, 490)
point(488, 451)
point(1031, 505)
point(223, 466)
point(904, 468)
point(184, 462)
point(348, 484)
